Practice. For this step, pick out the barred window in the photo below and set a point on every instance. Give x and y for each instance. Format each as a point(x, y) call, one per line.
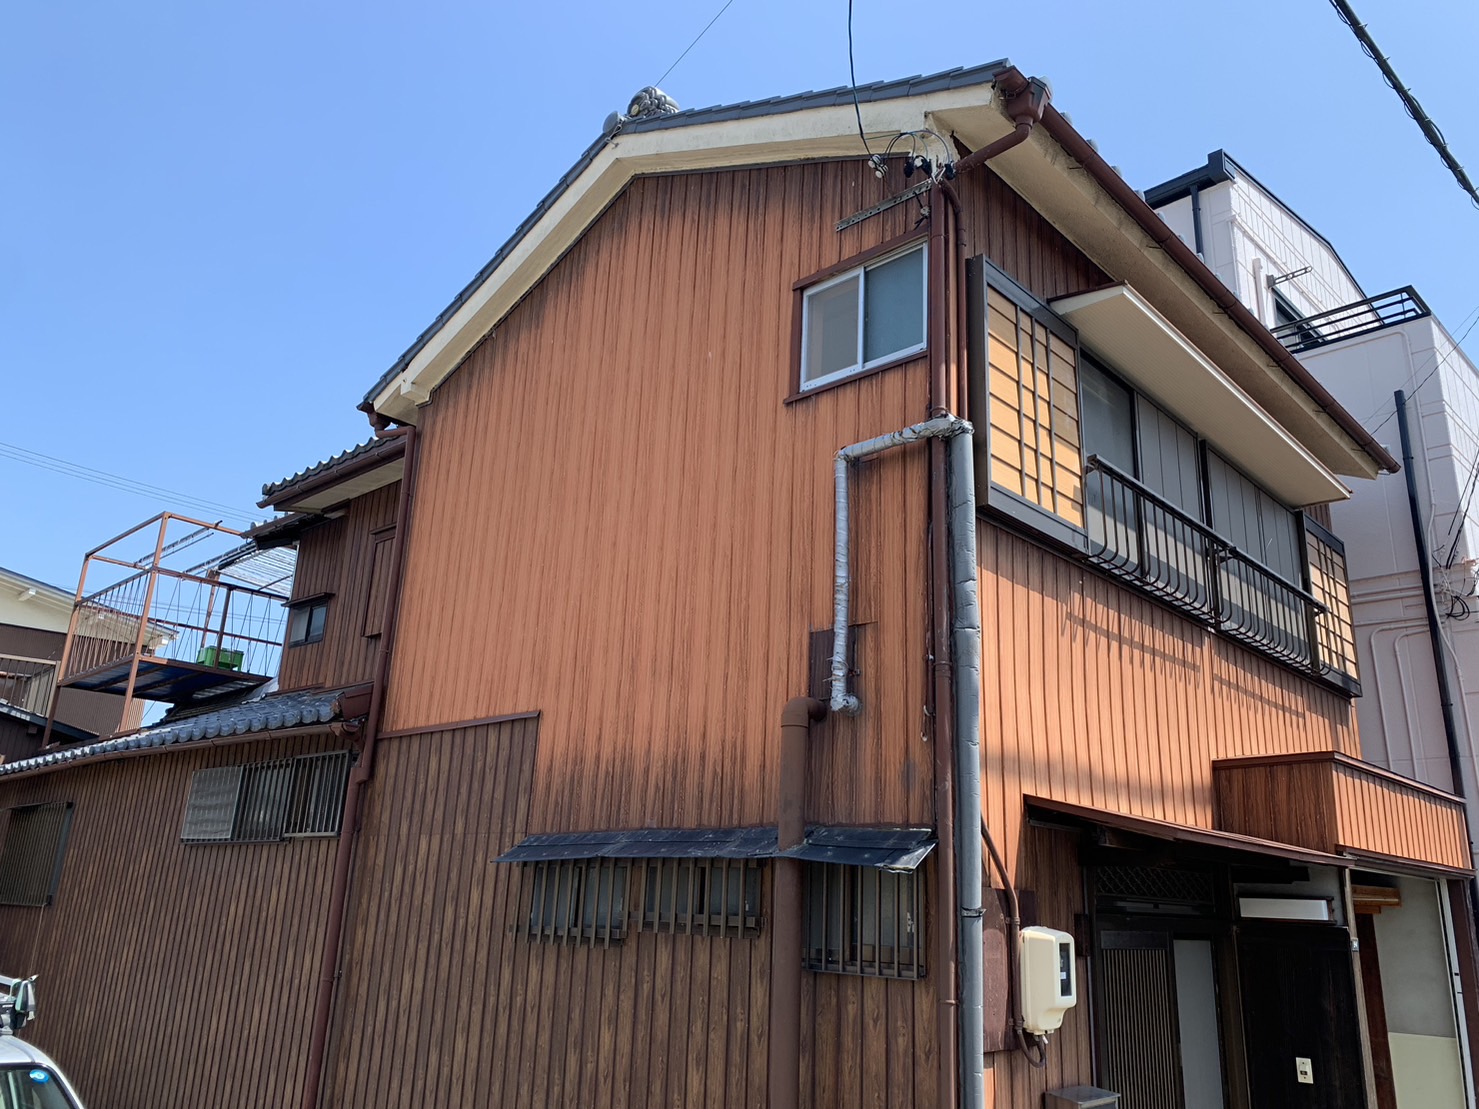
point(862, 920)
point(579, 901)
point(702, 896)
point(31, 858)
point(267, 802)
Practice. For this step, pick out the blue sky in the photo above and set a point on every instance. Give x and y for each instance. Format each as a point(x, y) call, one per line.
point(223, 222)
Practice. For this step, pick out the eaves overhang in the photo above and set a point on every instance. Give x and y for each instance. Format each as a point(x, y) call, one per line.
point(1140, 344)
point(1056, 170)
point(362, 469)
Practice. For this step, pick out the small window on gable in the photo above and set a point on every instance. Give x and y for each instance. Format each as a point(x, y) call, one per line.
point(702, 896)
point(306, 620)
point(864, 318)
point(579, 901)
point(31, 858)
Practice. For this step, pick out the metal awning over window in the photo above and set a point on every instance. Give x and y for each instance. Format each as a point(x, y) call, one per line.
point(887, 848)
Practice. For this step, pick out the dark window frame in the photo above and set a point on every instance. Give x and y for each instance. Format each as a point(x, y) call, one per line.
point(21, 881)
point(318, 602)
point(565, 892)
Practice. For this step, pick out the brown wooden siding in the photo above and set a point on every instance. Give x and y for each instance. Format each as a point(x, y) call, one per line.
point(445, 1002)
point(619, 521)
point(171, 974)
point(338, 557)
point(1099, 697)
point(1332, 803)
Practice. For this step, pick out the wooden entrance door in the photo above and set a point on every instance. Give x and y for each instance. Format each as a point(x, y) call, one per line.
point(1299, 1002)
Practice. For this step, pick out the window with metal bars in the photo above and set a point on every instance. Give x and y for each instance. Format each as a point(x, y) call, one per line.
point(267, 802)
point(862, 920)
point(714, 897)
point(578, 901)
point(31, 858)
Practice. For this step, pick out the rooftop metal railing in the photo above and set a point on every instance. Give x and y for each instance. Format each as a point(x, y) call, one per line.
point(1144, 539)
point(1349, 320)
point(26, 683)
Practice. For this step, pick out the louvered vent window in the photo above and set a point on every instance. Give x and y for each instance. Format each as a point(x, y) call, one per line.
point(579, 901)
point(862, 920)
point(266, 802)
point(716, 897)
point(31, 859)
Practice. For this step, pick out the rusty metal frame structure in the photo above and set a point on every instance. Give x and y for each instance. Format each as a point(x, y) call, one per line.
point(152, 568)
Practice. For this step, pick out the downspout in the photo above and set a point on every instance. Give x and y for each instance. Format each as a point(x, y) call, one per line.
point(1196, 220)
point(359, 780)
point(1435, 632)
point(785, 932)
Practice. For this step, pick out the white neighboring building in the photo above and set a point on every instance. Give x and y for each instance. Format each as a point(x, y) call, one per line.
point(1363, 349)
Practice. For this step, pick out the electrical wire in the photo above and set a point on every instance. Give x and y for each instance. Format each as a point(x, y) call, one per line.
point(692, 44)
point(1441, 362)
point(121, 484)
point(852, 75)
point(1424, 122)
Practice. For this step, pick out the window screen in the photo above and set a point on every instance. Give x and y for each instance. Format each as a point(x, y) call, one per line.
point(266, 802)
point(579, 901)
point(862, 920)
point(31, 858)
point(701, 896)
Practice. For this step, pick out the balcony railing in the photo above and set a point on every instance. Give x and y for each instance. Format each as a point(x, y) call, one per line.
point(26, 683)
point(1349, 320)
point(1144, 539)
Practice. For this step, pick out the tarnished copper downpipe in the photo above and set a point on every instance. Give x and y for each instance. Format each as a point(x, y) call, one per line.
point(785, 929)
point(358, 782)
point(941, 670)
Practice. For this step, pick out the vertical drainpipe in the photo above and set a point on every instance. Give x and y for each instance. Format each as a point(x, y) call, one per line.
point(785, 931)
point(359, 779)
point(1196, 220)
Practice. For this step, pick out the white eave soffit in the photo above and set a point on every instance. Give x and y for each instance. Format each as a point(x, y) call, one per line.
point(807, 135)
point(1121, 328)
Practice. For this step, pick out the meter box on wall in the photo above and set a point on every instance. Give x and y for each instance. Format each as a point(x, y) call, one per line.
point(1049, 976)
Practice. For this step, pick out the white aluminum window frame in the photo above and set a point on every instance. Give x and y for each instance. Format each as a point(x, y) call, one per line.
point(860, 365)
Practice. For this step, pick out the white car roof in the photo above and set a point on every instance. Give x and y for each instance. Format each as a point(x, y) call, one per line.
point(15, 1051)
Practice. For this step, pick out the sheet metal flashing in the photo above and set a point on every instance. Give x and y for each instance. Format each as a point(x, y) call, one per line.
point(269, 714)
point(366, 451)
point(886, 848)
point(960, 77)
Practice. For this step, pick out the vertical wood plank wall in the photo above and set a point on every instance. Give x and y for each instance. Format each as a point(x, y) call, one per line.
point(1097, 696)
point(445, 1002)
point(338, 557)
point(172, 976)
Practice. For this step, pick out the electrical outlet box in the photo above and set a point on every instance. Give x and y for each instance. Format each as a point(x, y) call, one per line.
point(1049, 976)
point(1304, 1070)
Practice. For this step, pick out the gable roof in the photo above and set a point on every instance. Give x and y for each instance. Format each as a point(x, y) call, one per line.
point(1095, 209)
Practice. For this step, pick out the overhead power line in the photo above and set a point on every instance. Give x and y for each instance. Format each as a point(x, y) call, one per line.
point(692, 44)
point(122, 484)
point(1414, 109)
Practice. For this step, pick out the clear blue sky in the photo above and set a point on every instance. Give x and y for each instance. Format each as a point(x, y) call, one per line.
point(223, 222)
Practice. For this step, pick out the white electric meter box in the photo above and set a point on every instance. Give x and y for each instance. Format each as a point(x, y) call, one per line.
point(1049, 979)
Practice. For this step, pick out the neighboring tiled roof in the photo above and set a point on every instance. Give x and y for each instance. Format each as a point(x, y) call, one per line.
point(35, 720)
point(328, 465)
point(284, 710)
point(777, 105)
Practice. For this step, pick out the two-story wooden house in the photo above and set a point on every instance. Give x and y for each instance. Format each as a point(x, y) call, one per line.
point(784, 524)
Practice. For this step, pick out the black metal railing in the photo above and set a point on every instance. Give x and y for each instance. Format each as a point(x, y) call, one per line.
point(1141, 537)
point(1350, 320)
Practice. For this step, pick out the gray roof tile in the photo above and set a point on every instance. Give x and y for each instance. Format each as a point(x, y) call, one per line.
point(283, 710)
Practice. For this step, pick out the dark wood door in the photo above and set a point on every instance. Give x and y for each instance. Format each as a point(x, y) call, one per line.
point(1299, 1001)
